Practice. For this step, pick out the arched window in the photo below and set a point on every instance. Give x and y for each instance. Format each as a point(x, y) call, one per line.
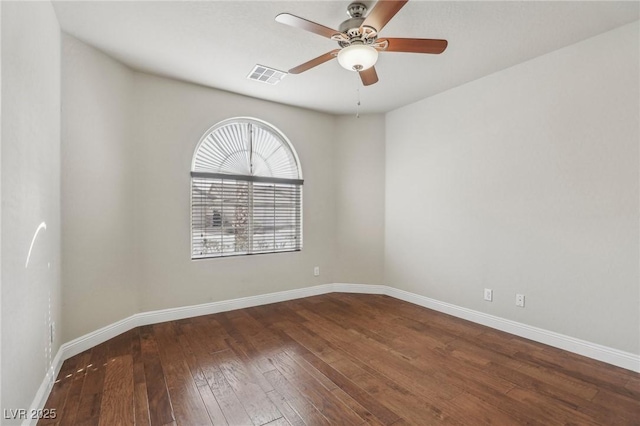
point(246, 191)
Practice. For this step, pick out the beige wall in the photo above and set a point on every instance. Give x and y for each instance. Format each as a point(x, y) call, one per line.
point(359, 158)
point(521, 187)
point(128, 141)
point(171, 118)
point(526, 181)
point(99, 270)
point(30, 197)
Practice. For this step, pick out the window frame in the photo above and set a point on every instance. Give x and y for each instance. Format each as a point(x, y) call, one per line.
point(297, 183)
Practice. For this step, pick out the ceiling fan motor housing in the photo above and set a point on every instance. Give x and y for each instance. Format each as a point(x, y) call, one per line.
point(356, 10)
point(351, 28)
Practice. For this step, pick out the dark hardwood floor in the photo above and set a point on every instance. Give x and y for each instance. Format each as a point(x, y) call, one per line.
point(336, 359)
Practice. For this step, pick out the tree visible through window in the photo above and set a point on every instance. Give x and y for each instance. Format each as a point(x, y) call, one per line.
point(246, 191)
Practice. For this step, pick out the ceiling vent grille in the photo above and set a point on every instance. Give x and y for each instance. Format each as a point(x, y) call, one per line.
point(266, 74)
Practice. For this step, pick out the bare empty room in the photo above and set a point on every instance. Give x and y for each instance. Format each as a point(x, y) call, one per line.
point(320, 212)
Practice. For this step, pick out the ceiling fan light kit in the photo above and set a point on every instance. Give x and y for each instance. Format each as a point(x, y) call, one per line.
point(357, 57)
point(358, 39)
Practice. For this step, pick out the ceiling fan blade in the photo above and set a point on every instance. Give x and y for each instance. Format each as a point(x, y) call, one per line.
point(369, 76)
point(304, 24)
point(415, 45)
point(382, 13)
point(314, 62)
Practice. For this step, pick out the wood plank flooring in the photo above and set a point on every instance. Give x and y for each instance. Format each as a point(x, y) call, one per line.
point(336, 359)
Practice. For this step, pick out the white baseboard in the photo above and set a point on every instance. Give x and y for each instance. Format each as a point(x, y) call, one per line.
point(45, 387)
point(592, 350)
point(82, 343)
point(92, 339)
point(602, 353)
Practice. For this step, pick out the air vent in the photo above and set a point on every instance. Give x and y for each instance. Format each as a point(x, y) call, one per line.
point(266, 74)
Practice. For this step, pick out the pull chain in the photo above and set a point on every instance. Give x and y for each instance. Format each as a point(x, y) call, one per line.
point(358, 96)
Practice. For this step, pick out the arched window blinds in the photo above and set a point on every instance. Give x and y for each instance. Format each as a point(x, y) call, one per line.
point(246, 191)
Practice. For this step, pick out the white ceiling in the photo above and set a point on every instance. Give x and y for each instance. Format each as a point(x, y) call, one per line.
point(217, 43)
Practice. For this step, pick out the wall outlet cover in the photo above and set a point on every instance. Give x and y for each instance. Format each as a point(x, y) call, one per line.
point(488, 294)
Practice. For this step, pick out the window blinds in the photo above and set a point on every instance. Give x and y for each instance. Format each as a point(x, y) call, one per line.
point(246, 192)
point(234, 216)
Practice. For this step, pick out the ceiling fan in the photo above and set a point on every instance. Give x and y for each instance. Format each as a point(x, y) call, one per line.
point(358, 39)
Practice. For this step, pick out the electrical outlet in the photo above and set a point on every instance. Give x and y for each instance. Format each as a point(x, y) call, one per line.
point(488, 294)
point(520, 300)
point(316, 271)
